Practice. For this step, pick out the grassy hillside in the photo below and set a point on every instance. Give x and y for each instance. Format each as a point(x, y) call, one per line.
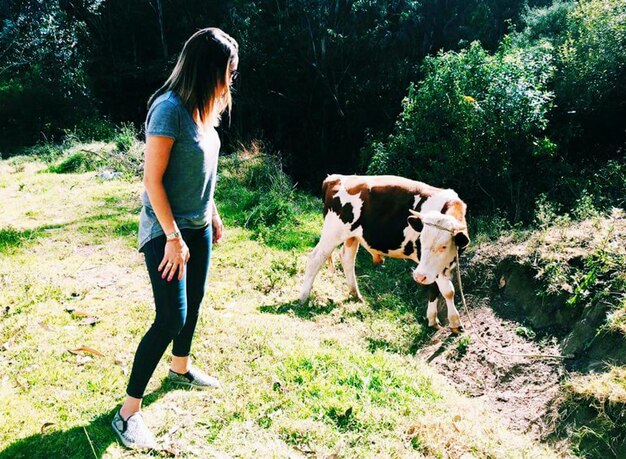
point(330, 379)
point(566, 279)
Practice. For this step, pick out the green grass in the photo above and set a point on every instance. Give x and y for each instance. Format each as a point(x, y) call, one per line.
point(595, 405)
point(331, 377)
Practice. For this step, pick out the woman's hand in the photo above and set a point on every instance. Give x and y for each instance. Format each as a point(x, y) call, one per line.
point(174, 259)
point(218, 227)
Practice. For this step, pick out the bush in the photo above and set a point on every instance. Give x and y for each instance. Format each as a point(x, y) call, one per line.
point(79, 161)
point(546, 23)
point(589, 42)
point(476, 123)
point(125, 137)
point(93, 129)
point(265, 194)
point(125, 155)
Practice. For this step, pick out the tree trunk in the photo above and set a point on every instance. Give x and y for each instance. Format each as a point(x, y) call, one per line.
point(158, 7)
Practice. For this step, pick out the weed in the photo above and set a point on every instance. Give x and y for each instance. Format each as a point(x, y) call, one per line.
point(525, 332)
point(75, 162)
point(463, 344)
point(90, 130)
point(125, 137)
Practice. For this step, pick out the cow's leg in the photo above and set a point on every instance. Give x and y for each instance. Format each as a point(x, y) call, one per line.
point(447, 290)
point(319, 255)
point(431, 312)
point(348, 258)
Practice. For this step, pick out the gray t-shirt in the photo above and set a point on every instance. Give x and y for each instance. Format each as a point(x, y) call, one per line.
point(190, 176)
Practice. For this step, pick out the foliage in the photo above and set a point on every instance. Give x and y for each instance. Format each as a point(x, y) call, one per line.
point(74, 163)
point(93, 129)
point(595, 406)
point(541, 116)
point(43, 83)
point(462, 345)
point(316, 75)
point(592, 65)
point(122, 155)
point(588, 39)
point(475, 113)
point(254, 192)
point(596, 276)
point(545, 23)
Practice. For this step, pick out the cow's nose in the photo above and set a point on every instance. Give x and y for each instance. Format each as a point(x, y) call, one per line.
point(420, 278)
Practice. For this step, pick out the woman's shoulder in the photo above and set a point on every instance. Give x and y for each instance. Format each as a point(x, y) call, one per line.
point(168, 98)
point(164, 116)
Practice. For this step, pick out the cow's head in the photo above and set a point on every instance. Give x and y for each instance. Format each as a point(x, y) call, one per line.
point(440, 236)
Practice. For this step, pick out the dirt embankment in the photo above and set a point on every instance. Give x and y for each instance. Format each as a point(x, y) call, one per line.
point(537, 296)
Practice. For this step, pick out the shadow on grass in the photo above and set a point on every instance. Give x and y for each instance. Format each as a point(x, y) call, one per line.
point(116, 223)
point(75, 442)
point(307, 310)
point(11, 238)
point(417, 342)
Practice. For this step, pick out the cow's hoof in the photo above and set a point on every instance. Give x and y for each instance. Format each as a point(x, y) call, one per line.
point(303, 300)
point(456, 330)
point(356, 297)
point(435, 326)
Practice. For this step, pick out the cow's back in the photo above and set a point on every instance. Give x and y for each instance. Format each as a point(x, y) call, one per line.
point(375, 207)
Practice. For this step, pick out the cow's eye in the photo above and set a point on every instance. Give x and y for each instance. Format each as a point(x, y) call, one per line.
point(443, 247)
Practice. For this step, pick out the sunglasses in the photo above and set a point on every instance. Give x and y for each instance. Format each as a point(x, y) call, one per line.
point(233, 76)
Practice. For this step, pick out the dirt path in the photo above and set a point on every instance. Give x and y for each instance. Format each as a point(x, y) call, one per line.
point(517, 389)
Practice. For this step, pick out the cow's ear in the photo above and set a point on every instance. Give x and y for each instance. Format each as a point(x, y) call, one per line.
point(461, 239)
point(415, 220)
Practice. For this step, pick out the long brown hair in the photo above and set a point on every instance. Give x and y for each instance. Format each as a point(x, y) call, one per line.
point(200, 77)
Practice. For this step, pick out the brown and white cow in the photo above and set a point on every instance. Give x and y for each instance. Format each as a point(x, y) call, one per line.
point(398, 218)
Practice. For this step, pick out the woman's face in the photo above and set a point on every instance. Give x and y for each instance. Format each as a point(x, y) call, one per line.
point(232, 71)
point(231, 75)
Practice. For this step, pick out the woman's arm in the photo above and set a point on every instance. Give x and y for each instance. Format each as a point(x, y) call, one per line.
point(158, 149)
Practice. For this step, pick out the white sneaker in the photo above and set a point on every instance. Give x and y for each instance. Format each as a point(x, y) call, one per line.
point(133, 432)
point(194, 378)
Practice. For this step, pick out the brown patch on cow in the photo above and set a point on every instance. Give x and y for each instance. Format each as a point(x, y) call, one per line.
point(330, 187)
point(351, 242)
point(387, 201)
point(457, 209)
point(377, 258)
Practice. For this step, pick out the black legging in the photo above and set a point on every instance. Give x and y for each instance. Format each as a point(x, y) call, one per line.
point(177, 305)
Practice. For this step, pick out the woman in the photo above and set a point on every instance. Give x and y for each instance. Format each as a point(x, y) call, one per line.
point(175, 236)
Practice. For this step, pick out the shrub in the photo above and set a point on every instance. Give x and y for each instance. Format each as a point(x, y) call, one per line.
point(92, 129)
point(79, 161)
point(589, 42)
point(255, 184)
point(125, 137)
point(476, 123)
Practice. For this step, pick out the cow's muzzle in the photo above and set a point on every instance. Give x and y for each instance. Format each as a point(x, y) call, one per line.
point(422, 278)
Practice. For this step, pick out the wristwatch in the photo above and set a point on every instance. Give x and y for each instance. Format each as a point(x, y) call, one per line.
point(172, 236)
